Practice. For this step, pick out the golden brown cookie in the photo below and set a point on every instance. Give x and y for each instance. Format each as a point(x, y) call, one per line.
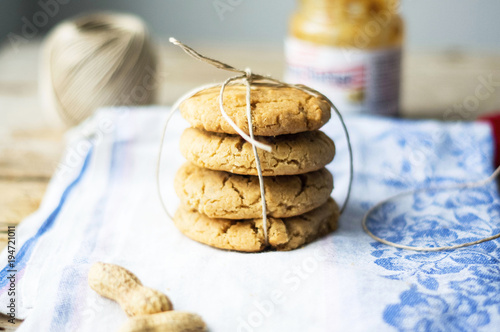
point(248, 235)
point(291, 154)
point(275, 110)
point(224, 195)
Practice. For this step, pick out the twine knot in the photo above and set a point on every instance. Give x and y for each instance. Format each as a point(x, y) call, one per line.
point(248, 73)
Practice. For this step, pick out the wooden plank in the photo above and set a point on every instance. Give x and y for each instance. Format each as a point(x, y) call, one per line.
point(435, 84)
point(7, 326)
point(30, 153)
point(19, 198)
point(27, 160)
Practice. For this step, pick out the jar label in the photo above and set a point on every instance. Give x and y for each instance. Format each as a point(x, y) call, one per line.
point(354, 80)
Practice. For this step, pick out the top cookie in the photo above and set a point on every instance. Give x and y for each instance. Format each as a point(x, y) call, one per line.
point(275, 110)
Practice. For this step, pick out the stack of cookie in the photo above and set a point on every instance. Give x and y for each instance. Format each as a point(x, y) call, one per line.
point(219, 188)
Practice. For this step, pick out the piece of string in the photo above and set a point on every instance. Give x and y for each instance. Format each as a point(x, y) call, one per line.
point(247, 78)
point(248, 83)
point(467, 185)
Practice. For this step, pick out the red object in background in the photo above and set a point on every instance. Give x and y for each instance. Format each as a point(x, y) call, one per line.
point(494, 120)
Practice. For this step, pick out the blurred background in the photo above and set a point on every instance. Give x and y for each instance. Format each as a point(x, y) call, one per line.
point(445, 25)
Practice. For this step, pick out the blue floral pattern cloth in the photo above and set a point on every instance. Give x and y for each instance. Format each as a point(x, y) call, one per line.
point(345, 281)
point(456, 290)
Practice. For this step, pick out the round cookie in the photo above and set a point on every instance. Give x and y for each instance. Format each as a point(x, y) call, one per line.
point(248, 235)
point(224, 195)
point(275, 110)
point(291, 154)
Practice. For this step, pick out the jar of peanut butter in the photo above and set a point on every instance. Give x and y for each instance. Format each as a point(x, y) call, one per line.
point(349, 50)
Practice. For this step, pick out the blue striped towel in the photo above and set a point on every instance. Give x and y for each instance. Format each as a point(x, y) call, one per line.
point(102, 206)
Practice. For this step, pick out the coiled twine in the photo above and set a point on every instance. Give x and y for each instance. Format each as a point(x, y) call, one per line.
point(97, 60)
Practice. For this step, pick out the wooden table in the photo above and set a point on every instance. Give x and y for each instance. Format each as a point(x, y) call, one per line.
point(30, 147)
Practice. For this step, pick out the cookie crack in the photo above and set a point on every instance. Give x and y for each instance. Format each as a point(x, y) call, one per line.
point(285, 161)
point(224, 180)
point(306, 116)
point(217, 148)
point(238, 192)
point(303, 185)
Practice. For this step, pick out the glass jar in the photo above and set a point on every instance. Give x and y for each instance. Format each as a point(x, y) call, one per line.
point(350, 50)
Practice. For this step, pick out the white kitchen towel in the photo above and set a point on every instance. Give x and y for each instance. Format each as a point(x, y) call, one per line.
point(102, 205)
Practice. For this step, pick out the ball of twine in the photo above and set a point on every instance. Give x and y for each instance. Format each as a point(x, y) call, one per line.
point(97, 60)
